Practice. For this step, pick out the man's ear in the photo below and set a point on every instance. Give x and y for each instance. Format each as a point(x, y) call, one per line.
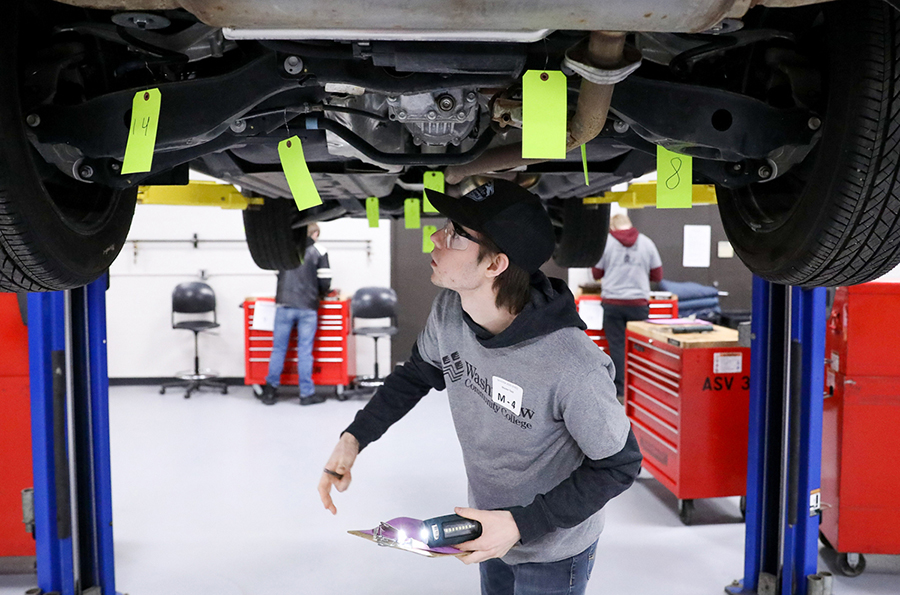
point(499, 263)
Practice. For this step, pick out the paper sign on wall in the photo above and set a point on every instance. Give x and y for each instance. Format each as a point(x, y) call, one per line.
point(372, 211)
point(674, 180)
point(142, 133)
point(544, 113)
point(412, 213)
point(697, 240)
point(303, 189)
point(427, 244)
point(433, 180)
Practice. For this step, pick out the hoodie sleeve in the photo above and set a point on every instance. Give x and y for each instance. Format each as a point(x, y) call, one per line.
point(582, 494)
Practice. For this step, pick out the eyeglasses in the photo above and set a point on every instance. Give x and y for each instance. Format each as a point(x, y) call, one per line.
point(453, 236)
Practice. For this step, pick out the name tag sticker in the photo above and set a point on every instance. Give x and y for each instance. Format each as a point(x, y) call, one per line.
point(506, 394)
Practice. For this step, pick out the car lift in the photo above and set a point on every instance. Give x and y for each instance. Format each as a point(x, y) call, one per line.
point(70, 428)
point(70, 441)
point(784, 453)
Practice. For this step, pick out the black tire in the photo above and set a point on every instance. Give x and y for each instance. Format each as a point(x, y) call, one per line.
point(274, 243)
point(581, 238)
point(835, 218)
point(847, 569)
point(55, 232)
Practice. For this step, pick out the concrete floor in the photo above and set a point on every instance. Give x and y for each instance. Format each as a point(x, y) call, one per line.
point(216, 495)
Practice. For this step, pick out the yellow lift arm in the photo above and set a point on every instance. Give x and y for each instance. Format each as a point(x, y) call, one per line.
point(198, 194)
point(643, 195)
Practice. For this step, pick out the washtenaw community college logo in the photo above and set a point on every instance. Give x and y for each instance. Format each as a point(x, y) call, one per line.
point(452, 366)
point(502, 396)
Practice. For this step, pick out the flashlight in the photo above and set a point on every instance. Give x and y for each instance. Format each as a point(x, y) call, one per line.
point(449, 530)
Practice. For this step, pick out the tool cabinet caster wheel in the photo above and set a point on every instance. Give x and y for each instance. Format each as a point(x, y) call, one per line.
point(224, 390)
point(162, 391)
point(743, 506)
point(340, 394)
point(686, 511)
point(851, 564)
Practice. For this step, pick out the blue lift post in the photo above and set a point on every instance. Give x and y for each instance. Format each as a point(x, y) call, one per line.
point(70, 440)
point(785, 448)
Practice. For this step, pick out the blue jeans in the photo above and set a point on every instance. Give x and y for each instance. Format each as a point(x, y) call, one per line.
point(566, 577)
point(306, 321)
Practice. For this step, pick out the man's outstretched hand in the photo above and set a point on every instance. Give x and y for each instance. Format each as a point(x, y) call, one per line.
point(499, 533)
point(337, 469)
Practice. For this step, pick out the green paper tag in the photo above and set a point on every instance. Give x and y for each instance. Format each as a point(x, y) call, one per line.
point(584, 163)
point(142, 134)
point(412, 213)
point(427, 244)
point(303, 189)
point(372, 211)
point(674, 180)
point(434, 180)
point(544, 113)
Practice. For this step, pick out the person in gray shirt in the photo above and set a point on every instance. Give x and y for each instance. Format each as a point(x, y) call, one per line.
point(544, 441)
point(630, 262)
point(297, 305)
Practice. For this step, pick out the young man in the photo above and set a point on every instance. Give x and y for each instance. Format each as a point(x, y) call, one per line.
point(630, 262)
point(544, 441)
point(297, 298)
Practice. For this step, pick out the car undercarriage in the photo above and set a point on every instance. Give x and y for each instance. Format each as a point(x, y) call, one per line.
point(772, 103)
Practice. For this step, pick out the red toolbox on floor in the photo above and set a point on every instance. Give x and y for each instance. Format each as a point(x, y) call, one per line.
point(688, 399)
point(15, 429)
point(861, 422)
point(334, 347)
point(659, 308)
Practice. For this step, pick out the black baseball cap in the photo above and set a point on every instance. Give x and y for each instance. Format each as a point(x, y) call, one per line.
point(509, 215)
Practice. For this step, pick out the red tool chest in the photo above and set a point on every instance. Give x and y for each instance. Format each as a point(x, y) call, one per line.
point(334, 347)
point(659, 308)
point(15, 429)
point(687, 396)
point(860, 437)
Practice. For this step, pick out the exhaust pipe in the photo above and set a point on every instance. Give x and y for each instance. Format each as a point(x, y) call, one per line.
point(601, 61)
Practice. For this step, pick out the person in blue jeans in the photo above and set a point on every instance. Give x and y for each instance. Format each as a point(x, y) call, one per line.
point(545, 444)
point(297, 304)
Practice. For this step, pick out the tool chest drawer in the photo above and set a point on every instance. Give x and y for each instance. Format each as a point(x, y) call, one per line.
point(334, 346)
point(687, 396)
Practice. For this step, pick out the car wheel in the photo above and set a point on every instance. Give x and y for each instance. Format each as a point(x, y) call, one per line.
point(55, 232)
point(581, 233)
point(274, 243)
point(835, 218)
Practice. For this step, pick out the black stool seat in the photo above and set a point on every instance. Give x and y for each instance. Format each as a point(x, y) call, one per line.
point(196, 325)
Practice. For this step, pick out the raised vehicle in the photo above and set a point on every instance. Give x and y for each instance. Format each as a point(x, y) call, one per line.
point(789, 107)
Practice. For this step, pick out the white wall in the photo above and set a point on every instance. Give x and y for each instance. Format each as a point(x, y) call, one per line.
point(142, 342)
